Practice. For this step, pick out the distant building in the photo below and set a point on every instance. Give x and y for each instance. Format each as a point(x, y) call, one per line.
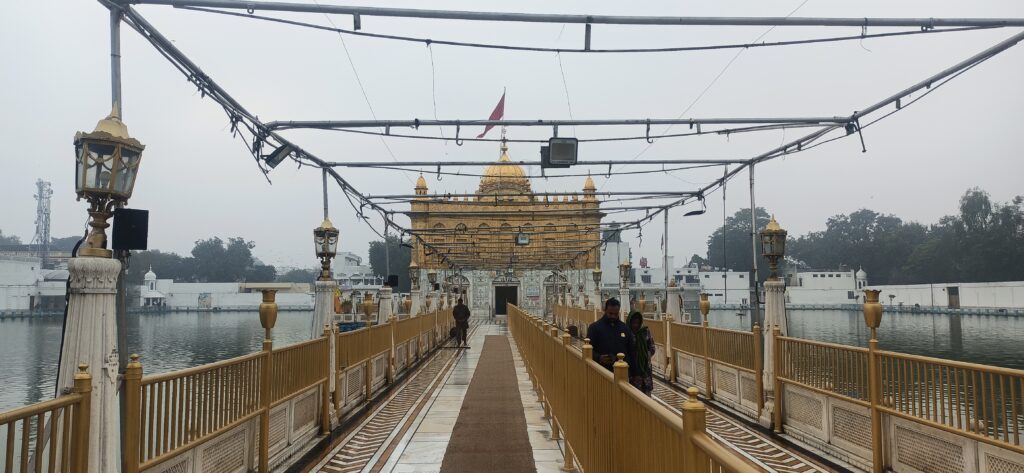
point(825, 287)
point(994, 295)
point(25, 285)
point(155, 292)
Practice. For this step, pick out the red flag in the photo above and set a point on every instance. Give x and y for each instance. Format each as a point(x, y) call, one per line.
point(497, 114)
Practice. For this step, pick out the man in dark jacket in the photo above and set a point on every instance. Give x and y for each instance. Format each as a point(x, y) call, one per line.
point(461, 315)
point(610, 336)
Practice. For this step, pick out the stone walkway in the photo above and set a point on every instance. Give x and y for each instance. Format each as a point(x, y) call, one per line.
point(410, 432)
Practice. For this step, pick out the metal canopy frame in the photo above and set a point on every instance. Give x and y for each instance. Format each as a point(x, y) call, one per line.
point(260, 135)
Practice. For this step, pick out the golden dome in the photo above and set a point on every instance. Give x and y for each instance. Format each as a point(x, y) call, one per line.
point(504, 178)
point(589, 185)
point(421, 183)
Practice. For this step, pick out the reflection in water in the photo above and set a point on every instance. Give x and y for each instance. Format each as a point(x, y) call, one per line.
point(30, 348)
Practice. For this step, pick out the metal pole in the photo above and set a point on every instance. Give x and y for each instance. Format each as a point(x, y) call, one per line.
point(585, 19)
point(115, 63)
point(325, 193)
point(364, 164)
point(418, 123)
point(755, 310)
point(665, 258)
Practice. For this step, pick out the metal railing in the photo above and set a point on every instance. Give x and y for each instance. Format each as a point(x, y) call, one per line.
point(50, 436)
point(595, 409)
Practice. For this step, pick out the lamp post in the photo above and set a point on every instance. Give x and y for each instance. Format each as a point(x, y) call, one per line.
point(596, 274)
point(325, 241)
point(414, 287)
point(432, 279)
point(106, 167)
point(624, 302)
point(773, 248)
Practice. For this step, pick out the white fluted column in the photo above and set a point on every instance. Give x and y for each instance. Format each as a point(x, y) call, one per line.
point(416, 302)
point(674, 306)
point(323, 314)
point(774, 314)
point(384, 307)
point(323, 307)
point(624, 303)
point(91, 337)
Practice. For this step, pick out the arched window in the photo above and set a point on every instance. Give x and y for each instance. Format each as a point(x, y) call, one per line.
point(460, 228)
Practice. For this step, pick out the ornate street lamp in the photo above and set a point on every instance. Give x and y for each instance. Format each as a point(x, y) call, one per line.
point(432, 278)
point(325, 241)
point(597, 278)
point(107, 163)
point(624, 273)
point(773, 246)
point(414, 275)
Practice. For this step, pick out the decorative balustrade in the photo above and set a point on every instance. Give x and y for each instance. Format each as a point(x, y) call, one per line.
point(594, 409)
point(50, 436)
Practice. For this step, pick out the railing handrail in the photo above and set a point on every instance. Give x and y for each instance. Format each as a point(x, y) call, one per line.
point(296, 346)
point(726, 330)
point(170, 375)
point(952, 363)
point(20, 413)
point(838, 346)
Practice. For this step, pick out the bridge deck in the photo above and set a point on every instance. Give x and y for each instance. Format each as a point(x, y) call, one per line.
point(412, 429)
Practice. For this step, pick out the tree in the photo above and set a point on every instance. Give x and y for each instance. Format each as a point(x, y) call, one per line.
point(877, 242)
point(400, 257)
point(9, 239)
point(215, 261)
point(729, 246)
point(65, 244)
point(166, 265)
point(299, 275)
point(697, 260)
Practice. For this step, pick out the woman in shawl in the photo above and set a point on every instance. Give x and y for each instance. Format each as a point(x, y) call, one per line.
point(644, 343)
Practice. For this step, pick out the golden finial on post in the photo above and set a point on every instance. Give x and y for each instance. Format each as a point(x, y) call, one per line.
point(872, 310)
point(268, 312)
point(705, 304)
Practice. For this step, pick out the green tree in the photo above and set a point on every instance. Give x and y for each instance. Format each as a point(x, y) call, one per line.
point(64, 244)
point(696, 259)
point(982, 243)
point(879, 243)
point(9, 239)
point(729, 246)
point(400, 257)
point(165, 265)
point(217, 261)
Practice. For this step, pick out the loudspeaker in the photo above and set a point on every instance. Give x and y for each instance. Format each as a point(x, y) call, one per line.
point(559, 153)
point(131, 229)
point(392, 280)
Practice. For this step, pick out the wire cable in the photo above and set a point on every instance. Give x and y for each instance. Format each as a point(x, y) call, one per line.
point(754, 44)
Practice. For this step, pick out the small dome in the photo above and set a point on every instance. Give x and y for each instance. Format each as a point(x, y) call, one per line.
point(861, 274)
point(504, 178)
point(421, 183)
point(150, 275)
point(589, 185)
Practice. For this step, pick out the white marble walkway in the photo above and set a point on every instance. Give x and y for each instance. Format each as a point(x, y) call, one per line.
point(422, 448)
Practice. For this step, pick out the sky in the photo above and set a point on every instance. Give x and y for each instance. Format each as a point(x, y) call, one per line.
point(197, 181)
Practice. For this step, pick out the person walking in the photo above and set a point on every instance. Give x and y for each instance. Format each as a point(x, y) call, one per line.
point(461, 315)
point(609, 336)
point(644, 343)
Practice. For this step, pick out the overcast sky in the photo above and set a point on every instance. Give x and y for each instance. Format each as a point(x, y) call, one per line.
point(197, 181)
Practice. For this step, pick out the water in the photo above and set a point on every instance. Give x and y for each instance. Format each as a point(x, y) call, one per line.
point(984, 339)
point(30, 348)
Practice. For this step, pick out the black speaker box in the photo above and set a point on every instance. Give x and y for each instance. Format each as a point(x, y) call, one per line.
point(131, 229)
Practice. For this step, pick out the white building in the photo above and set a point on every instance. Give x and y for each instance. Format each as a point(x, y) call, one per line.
point(995, 295)
point(228, 295)
point(24, 285)
point(825, 287)
point(353, 275)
